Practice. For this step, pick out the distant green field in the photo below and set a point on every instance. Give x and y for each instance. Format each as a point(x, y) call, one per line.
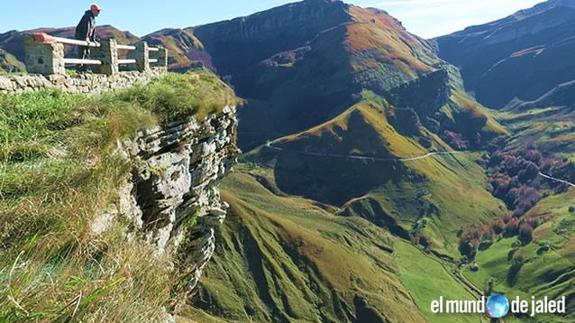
point(427, 280)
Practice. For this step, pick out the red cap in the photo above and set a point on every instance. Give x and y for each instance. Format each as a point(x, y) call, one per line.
point(95, 7)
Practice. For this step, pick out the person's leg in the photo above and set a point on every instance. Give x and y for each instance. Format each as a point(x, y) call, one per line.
point(80, 68)
point(84, 53)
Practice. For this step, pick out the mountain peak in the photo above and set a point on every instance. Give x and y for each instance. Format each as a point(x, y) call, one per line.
point(543, 7)
point(322, 1)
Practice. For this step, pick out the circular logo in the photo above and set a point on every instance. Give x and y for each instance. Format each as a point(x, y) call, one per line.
point(497, 306)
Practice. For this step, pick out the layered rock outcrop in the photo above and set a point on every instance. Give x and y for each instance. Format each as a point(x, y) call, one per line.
point(171, 197)
point(426, 94)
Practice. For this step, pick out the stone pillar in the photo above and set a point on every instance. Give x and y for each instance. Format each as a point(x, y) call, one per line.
point(43, 58)
point(142, 56)
point(108, 54)
point(163, 57)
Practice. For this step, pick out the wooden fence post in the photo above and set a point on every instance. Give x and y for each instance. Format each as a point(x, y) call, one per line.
point(108, 54)
point(163, 57)
point(43, 57)
point(142, 56)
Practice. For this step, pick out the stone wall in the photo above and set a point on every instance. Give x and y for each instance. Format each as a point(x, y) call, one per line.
point(84, 83)
point(172, 197)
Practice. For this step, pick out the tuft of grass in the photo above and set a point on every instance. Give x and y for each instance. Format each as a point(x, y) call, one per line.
point(58, 170)
point(176, 97)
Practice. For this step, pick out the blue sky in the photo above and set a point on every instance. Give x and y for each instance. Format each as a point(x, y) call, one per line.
point(427, 18)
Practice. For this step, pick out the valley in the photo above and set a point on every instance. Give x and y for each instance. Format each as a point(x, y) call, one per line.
point(403, 151)
point(381, 170)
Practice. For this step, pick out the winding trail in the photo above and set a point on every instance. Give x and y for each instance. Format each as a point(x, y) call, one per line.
point(449, 266)
point(367, 158)
point(556, 179)
point(373, 158)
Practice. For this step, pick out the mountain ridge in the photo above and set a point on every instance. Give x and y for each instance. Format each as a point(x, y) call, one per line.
point(531, 46)
point(316, 237)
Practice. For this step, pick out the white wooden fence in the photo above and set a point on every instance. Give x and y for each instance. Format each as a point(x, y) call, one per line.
point(45, 55)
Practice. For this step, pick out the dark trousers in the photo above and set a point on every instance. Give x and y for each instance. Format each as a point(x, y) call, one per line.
point(83, 53)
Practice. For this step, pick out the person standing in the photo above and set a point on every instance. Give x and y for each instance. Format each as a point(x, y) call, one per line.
point(86, 30)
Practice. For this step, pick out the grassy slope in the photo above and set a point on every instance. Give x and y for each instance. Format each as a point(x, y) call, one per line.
point(550, 273)
point(282, 257)
point(9, 63)
point(381, 50)
point(454, 185)
point(290, 256)
point(384, 55)
point(550, 128)
point(180, 45)
point(58, 170)
point(427, 279)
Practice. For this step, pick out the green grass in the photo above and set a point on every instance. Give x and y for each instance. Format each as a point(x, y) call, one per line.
point(175, 97)
point(450, 191)
point(427, 280)
point(58, 170)
point(551, 128)
point(282, 257)
point(9, 63)
point(550, 273)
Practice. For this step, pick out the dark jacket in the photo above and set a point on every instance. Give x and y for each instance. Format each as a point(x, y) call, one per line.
point(86, 29)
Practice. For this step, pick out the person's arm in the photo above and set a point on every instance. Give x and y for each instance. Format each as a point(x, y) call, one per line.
point(92, 29)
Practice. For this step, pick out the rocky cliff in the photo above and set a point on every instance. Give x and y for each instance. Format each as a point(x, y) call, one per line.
point(171, 197)
point(131, 179)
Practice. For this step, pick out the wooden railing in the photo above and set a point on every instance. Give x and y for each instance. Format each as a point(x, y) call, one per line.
point(45, 55)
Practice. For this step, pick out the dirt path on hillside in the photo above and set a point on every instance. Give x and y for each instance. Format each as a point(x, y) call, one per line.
point(415, 158)
point(366, 158)
point(556, 179)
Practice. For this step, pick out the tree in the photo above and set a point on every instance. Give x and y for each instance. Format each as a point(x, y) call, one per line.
point(511, 227)
point(516, 264)
point(498, 227)
point(525, 233)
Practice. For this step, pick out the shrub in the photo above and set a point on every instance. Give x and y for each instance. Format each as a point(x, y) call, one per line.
point(525, 233)
point(511, 228)
point(455, 140)
point(498, 227)
point(516, 264)
point(525, 198)
point(512, 178)
point(544, 246)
